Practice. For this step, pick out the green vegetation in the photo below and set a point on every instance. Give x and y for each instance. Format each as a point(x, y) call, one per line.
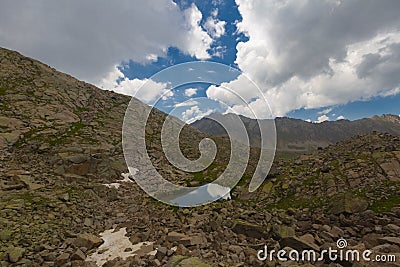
point(385, 205)
point(3, 90)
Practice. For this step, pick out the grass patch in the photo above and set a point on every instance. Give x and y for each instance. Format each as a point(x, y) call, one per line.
point(386, 205)
point(3, 90)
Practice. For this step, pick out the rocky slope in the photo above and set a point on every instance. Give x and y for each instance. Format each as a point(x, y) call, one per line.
point(294, 135)
point(61, 157)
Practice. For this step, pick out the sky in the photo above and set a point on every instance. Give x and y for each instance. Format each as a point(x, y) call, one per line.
point(315, 60)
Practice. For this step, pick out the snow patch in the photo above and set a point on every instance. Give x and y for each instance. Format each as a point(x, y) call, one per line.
point(117, 244)
point(127, 179)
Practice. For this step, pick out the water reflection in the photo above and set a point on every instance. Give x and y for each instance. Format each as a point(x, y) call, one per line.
point(206, 193)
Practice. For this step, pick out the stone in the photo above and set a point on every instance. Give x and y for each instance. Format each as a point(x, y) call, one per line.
point(282, 231)
point(386, 248)
point(11, 138)
point(78, 255)
point(64, 197)
point(118, 166)
point(62, 259)
point(371, 240)
point(392, 228)
point(183, 261)
point(28, 181)
point(59, 170)
point(175, 236)
point(192, 240)
point(8, 122)
point(88, 222)
point(336, 232)
point(348, 204)
point(392, 169)
point(193, 261)
point(79, 169)
point(248, 229)
point(5, 235)
point(308, 238)
point(145, 248)
point(161, 253)
point(78, 158)
point(15, 254)
point(297, 243)
point(235, 249)
point(88, 241)
point(390, 240)
point(181, 249)
point(3, 142)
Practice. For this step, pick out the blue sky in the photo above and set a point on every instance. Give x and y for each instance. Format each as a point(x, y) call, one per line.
point(313, 60)
point(228, 12)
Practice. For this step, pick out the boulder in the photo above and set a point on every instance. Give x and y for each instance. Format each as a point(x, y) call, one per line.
point(11, 138)
point(161, 253)
point(175, 236)
point(62, 259)
point(183, 261)
point(248, 229)
point(348, 204)
point(192, 240)
point(78, 255)
point(282, 231)
point(88, 241)
point(15, 254)
point(390, 240)
point(5, 235)
point(297, 243)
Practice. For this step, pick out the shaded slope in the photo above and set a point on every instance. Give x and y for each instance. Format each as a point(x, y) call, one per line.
point(294, 135)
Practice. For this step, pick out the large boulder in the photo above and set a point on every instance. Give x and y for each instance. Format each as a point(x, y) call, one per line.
point(248, 229)
point(88, 241)
point(297, 243)
point(348, 203)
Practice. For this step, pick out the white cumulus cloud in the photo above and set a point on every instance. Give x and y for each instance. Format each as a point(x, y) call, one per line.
point(132, 87)
point(325, 111)
point(322, 119)
point(214, 26)
point(304, 54)
point(340, 117)
point(187, 104)
point(87, 38)
point(190, 92)
point(195, 113)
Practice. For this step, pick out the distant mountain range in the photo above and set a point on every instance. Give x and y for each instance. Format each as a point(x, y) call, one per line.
point(295, 135)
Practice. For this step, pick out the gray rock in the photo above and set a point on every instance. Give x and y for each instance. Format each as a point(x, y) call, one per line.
point(175, 236)
point(88, 241)
point(297, 243)
point(78, 158)
point(15, 254)
point(390, 240)
point(192, 240)
point(5, 235)
point(282, 231)
point(78, 255)
point(161, 253)
point(62, 259)
point(248, 229)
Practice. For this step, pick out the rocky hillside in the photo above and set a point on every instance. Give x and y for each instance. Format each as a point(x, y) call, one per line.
point(63, 197)
point(294, 135)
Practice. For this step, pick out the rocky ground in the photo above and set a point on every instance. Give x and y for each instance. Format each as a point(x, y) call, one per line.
point(60, 142)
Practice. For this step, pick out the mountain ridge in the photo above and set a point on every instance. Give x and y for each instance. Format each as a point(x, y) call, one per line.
point(296, 135)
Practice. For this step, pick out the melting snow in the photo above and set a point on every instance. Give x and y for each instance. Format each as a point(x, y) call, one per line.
point(127, 179)
point(117, 244)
